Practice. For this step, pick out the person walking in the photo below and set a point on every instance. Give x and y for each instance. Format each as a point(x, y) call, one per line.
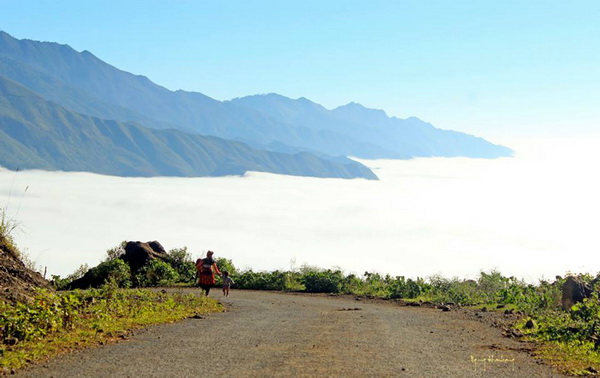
point(227, 282)
point(207, 268)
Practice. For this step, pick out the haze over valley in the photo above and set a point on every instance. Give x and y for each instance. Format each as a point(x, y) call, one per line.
point(397, 137)
point(449, 216)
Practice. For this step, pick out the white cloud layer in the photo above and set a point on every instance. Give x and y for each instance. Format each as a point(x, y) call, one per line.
point(532, 216)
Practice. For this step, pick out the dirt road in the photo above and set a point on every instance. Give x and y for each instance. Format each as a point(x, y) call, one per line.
point(276, 334)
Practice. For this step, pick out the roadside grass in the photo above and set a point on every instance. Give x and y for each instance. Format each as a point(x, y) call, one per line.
point(570, 357)
point(55, 324)
point(7, 227)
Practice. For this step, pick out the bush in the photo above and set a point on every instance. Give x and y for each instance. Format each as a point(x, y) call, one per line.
point(181, 260)
point(261, 280)
point(115, 270)
point(276, 280)
point(352, 284)
point(156, 273)
point(327, 281)
point(489, 286)
point(226, 265)
point(581, 325)
point(374, 284)
point(401, 287)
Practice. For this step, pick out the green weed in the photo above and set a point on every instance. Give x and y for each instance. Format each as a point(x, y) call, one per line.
point(54, 323)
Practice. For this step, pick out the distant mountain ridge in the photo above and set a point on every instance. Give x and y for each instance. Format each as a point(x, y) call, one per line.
point(35, 133)
point(396, 138)
point(82, 83)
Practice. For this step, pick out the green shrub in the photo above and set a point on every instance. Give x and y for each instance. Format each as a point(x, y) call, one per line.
point(187, 273)
point(581, 325)
point(181, 260)
point(327, 281)
point(156, 273)
point(375, 285)
point(400, 287)
point(116, 270)
point(261, 280)
point(226, 265)
point(352, 284)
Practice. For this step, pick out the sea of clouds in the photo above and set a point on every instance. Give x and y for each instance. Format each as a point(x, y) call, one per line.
point(532, 216)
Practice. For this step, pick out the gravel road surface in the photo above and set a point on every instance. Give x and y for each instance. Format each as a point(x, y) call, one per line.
point(278, 334)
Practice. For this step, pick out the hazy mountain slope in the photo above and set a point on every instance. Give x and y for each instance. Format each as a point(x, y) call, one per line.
point(98, 79)
point(187, 111)
point(416, 137)
point(84, 83)
point(395, 137)
point(36, 133)
point(72, 98)
point(309, 127)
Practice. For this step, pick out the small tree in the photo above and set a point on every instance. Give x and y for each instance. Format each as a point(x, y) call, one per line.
point(79, 272)
point(116, 252)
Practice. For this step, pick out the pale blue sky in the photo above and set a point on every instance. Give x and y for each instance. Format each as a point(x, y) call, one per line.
point(498, 69)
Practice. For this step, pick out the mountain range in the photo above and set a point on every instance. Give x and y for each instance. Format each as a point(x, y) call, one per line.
point(66, 110)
